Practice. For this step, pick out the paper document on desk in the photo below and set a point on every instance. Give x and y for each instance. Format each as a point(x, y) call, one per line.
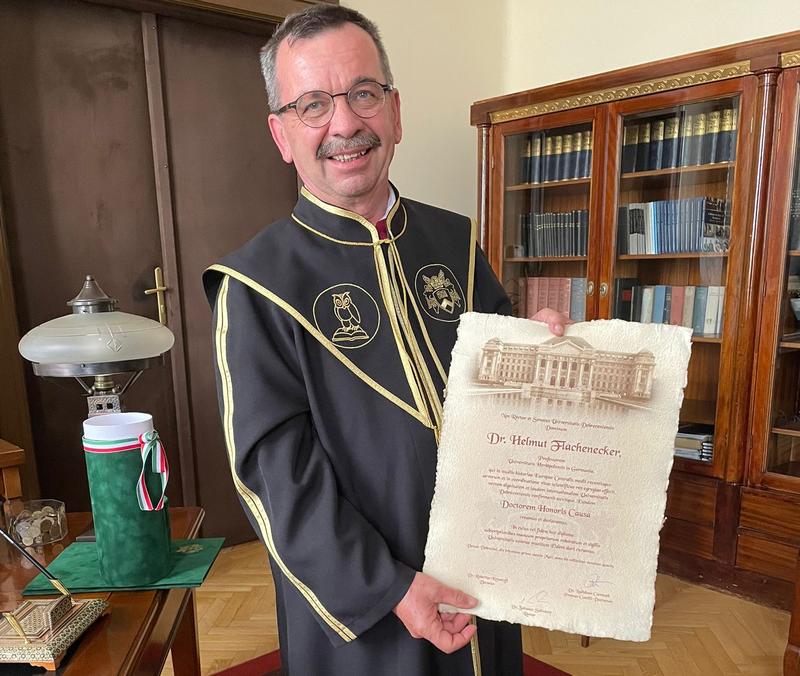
point(552, 470)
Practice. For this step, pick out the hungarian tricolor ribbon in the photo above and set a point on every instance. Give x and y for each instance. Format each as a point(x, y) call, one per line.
point(150, 446)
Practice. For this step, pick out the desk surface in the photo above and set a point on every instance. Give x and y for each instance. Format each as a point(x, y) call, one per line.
point(135, 636)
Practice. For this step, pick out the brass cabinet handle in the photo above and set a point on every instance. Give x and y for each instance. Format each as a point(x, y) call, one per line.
point(603, 289)
point(590, 288)
point(159, 291)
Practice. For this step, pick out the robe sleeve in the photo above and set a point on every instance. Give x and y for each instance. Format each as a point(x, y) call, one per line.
point(325, 548)
point(489, 295)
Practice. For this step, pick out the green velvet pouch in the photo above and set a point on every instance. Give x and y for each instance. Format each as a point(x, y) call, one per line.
point(131, 525)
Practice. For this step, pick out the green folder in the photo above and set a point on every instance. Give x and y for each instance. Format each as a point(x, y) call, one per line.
point(78, 568)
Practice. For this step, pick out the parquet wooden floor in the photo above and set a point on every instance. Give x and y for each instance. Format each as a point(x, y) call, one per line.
point(696, 631)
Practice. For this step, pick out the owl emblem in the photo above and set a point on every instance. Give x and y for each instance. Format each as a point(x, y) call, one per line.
point(349, 317)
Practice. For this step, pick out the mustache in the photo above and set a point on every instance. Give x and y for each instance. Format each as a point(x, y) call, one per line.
point(340, 146)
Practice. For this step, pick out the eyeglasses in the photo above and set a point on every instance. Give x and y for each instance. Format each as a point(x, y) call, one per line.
point(315, 109)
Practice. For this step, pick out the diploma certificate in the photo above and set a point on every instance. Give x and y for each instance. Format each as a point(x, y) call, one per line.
point(552, 470)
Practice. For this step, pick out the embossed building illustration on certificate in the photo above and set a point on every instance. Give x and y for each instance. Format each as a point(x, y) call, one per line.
point(566, 369)
point(553, 468)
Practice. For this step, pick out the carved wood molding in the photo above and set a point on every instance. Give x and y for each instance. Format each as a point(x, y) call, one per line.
point(662, 84)
point(790, 59)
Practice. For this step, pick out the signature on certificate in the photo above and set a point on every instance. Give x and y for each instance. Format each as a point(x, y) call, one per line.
point(595, 582)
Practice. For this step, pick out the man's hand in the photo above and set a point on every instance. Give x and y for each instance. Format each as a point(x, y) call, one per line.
point(554, 319)
point(419, 612)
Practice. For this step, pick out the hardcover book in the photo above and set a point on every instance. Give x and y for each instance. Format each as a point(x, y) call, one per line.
point(669, 157)
point(711, 139)
point(656, 144)
point(535, 170)
point(698, 136)
point(631, 139)
point(556, 173)
point(687, 140)
point(586, 150)
point(688, 306)
point(525, 163)
point(699, 314)
point(623, 297)
point(567, 158)
point(547, 165)
point(643, 147)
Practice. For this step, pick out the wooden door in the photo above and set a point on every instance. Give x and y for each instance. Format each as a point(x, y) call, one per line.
point(130, 141)
point(228, 182)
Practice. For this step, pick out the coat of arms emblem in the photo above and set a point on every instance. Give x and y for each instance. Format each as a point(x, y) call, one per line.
point(440, 293)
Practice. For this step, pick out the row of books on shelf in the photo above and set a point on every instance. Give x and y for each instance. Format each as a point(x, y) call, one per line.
point(556, 157)
point(555, 234)
point(695, 442)
point(565, 294)
point(699, 308)
point(694, 224)
point(679, 140)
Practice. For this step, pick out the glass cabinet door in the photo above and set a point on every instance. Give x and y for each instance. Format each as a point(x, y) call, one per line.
point(782, 456)
point(672, 237)
point(546, 218)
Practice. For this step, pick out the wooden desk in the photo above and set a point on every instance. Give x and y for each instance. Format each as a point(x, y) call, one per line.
point(142, 626)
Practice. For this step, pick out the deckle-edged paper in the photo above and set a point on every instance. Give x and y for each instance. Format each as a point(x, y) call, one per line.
point(552, 471)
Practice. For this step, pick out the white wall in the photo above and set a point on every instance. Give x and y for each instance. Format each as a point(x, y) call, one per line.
point(552, 41)
point(476, 49)
point(444, 54)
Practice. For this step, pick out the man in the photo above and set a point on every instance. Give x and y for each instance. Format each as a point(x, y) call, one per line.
point(333, 333)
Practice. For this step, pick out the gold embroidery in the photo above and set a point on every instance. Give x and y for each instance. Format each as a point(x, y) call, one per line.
point(440, 294)
point(250, 498)
point(421, 322)
point(348, 315)
point(375, 243)
point(355, 328)
point(326, 343)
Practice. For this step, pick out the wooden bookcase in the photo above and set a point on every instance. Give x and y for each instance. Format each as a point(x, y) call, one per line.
point(688, 193)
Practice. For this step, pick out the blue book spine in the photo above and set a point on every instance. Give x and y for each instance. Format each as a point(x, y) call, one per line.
point(672, 225)
point(699, 314)
point(659, 297)
point(577, 301)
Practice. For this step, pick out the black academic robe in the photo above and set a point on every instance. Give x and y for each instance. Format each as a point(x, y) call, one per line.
point(332, 348)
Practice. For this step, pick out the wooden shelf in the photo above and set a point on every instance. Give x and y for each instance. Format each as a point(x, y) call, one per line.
point(549, 184)
point(789, 345)
point(787, 430)
point(717, 339)
point(794, 252)
point(698, 411)
point(672, 171)
point(545, 259)
point(665, 256)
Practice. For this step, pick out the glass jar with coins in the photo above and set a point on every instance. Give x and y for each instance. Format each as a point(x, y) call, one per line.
point(39, 523)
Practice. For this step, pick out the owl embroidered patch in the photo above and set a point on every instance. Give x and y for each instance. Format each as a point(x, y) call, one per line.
point(439, 293)
point(347, 315)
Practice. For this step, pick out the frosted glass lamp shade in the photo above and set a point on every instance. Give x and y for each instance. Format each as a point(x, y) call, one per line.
point(94, 342)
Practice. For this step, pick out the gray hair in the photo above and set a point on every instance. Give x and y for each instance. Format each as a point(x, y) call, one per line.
point(306, 24)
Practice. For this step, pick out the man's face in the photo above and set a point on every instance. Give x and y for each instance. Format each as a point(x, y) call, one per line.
point(333, 61)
